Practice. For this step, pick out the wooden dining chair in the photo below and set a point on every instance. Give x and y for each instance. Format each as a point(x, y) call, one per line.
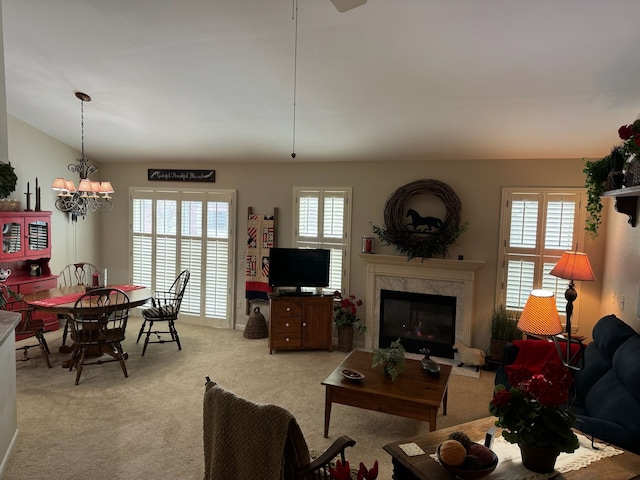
point(80, 273)
point(98, 326)
point(28, 327)
point(166, 307)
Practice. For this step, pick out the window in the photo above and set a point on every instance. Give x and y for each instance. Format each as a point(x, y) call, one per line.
point(323, 220)
point(174, 230)
point(537, 226)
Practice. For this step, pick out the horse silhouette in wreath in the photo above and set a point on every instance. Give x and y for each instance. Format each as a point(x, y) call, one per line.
point(429, 223)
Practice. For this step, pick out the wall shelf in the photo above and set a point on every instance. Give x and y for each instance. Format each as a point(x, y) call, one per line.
point(626, 201)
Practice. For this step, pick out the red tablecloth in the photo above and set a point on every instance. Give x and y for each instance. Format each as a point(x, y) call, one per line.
point(52, 302)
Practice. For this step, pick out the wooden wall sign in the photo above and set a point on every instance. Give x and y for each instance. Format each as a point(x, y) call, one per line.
point(172, 175)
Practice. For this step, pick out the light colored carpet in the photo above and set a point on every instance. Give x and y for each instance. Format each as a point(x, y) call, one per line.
point(149, 426)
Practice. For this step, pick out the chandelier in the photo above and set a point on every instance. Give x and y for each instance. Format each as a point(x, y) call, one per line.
point(89, 196)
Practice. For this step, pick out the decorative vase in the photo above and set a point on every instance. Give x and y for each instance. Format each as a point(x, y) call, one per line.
point(538, 459)
point(345, 338)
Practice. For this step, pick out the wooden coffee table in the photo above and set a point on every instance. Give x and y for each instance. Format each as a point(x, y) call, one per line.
point(422, 467)
point(414, 394)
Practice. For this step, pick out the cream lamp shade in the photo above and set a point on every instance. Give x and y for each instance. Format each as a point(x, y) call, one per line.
point(540, 315)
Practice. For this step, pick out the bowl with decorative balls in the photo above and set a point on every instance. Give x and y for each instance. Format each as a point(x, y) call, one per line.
point(465, 459)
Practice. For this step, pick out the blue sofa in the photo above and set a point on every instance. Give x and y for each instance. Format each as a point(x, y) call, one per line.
point(606, 396)
point(607, 389)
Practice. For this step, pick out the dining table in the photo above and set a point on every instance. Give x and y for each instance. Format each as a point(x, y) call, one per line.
point(62, 301)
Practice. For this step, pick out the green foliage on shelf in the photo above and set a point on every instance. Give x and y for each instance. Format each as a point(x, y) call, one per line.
point(8, 180)
point(597, 172)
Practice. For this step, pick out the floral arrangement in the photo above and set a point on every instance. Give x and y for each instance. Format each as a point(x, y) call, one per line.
point(343, 471)
point(531, 411)
point(345, 312)
point(630, 134)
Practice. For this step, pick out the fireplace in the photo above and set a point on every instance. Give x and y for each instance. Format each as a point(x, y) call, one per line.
point(420, 320)
point(440, 277)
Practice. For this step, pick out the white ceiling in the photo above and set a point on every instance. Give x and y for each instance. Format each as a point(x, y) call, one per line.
point(389, 80)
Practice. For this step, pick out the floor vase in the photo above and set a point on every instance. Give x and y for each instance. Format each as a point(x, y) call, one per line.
point(345, 339)
point(537, 459)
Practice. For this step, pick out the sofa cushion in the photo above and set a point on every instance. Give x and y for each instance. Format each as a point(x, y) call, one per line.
point(626, 363)
point(609, 333)
point(609, 400)
point(595, 366)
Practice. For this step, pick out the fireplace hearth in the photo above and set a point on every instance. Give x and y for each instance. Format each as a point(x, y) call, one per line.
point(440, 277)
point(419, 320)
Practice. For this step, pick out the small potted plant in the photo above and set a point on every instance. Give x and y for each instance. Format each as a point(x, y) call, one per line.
point(345, 319)
point(8, 181)
point(392, 357)
point(504, 329)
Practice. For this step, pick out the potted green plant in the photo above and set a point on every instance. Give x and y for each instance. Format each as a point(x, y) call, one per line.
point(504, 329)
point(392, 357)
point(597, 173)
point(8, 181)
point(346, 321)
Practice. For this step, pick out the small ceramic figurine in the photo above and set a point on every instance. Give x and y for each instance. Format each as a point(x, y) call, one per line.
point(4, 274)
point(428, 365)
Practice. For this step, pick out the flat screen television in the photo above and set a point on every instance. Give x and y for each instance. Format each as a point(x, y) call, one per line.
point(299, 267)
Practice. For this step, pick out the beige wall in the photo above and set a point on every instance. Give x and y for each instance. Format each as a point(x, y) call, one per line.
point(103, 238)
point(621, 275)
point(477, 183)
point(34, 154)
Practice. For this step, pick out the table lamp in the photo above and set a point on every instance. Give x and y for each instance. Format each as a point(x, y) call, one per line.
point(540, 318)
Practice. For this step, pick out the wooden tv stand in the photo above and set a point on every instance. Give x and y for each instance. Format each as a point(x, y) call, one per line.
point(300, 322)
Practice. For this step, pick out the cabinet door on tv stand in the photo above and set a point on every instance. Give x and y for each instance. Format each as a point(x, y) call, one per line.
point(316, 322)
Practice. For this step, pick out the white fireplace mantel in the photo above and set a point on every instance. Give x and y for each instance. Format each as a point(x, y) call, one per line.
point(432, 275)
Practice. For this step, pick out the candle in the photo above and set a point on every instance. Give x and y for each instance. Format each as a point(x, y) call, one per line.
point(27, 188)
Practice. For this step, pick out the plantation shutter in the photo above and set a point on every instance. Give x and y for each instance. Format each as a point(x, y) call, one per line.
point(538, 226)
point(177, 230)
point(323, 221)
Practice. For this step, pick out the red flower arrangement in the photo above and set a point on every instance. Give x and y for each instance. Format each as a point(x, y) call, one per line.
point(343, 471)
point(631, 136)
point(533, 412)
point(346, 312)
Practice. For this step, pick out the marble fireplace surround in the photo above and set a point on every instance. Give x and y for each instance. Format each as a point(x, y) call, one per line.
point(434, 275)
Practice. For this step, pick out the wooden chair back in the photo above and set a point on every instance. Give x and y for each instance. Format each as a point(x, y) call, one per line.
point(77, 274)
point(100, 316)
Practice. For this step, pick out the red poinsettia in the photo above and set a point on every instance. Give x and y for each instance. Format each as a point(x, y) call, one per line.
point(364, 474)
point(631, 136)
point(346, 312)
point(532, 410)
point(343, 471)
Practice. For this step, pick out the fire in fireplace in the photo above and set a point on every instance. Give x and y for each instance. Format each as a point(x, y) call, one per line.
point(419, 320)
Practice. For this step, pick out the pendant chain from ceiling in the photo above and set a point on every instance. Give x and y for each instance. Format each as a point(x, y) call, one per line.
point(295, 75)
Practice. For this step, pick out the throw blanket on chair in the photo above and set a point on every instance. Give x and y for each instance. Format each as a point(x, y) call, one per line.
point(535, 353)
point(260, 238)
point(245, 440)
